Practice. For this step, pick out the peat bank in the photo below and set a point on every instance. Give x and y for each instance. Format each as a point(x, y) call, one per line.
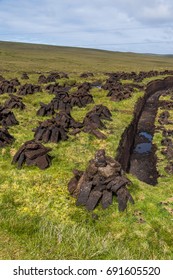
point(136, 152)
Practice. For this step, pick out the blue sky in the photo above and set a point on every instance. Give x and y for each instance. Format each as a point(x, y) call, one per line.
point(142, 26)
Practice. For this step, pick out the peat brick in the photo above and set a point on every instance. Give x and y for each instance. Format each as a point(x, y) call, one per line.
point(84, 194)
point(93, 200)
point(106, 199)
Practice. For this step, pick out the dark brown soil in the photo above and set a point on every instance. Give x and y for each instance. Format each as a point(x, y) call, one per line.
point(139, 157)
point(143, 162)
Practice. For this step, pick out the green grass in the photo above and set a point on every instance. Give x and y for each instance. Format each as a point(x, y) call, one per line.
point(32, 57)
point(38, 217)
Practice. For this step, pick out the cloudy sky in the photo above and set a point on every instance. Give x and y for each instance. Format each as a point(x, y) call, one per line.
point(144, 26)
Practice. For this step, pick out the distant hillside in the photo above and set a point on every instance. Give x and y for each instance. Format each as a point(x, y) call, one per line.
point(34, 57)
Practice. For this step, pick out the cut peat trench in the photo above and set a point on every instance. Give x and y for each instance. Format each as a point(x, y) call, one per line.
point(136, 153)
point(143, 159)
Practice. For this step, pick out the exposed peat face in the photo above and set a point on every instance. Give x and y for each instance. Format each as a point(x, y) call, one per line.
point(143, 159)
point(136, 152)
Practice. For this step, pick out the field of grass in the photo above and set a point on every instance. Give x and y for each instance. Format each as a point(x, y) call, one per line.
point(38, 217)
point(30, 57)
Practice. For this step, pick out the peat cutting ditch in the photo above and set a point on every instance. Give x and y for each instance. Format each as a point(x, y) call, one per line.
point(136, 153)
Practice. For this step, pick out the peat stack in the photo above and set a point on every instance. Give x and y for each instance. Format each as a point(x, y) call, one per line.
point(102, 111)
point(42, 79)
point(24, 76)
point(52, 77)
point(61, 101)
point(102, 179)
point(52, 88)
point(56, 129)
point(5, 82)
point(46, 110)
point(67, 121)
point(84, 87)
point(7, 118)
point(29, 89)
point(81, 98)
point(55, 88)
point(14, 102)
point(32, 153)
point(15, 82)
point(120, 92)
point(93, 121)
point(86, 75)
point(5, 137)
point(7, 87)
point(112, 81)
point(50, 131)
point(142, 75)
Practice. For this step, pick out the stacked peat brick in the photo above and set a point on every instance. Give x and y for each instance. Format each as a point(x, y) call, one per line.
point(32, 153)
point(7, 118)
point(55, 129)
point(14, 102)
point(102, 179)
point(5, 137)
point(29, 89)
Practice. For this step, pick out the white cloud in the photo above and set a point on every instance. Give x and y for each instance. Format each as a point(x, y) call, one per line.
point(110, 24)
point(161, 12)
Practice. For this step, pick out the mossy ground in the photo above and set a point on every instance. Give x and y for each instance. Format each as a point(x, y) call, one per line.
point(38, 217)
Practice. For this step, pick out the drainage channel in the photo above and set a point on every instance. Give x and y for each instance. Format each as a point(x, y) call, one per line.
point(136, 153)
